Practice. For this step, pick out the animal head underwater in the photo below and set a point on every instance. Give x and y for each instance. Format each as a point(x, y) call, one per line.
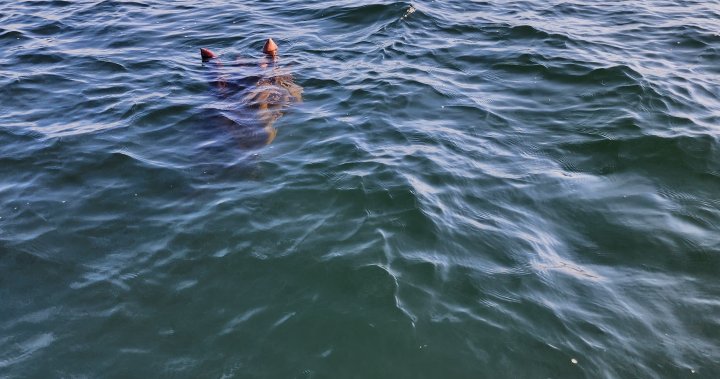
point(252, 98)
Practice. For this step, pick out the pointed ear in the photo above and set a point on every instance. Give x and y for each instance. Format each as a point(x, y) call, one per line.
point(270, 47)
point(206, 54)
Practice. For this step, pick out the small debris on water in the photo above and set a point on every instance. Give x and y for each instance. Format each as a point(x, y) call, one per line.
point(574, 361)
point(409, 11)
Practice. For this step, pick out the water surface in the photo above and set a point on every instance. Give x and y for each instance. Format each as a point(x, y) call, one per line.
point(521, 189)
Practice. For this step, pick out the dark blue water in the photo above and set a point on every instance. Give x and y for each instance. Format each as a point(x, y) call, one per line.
point(468, 189)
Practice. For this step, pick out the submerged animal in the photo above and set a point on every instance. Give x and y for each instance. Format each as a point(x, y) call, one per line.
point(252, 101)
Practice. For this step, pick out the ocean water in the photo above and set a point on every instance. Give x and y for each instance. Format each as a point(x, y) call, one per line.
point(468, 189)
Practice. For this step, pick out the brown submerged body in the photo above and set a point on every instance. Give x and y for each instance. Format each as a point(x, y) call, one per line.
point(270, 96)
point(261, 101)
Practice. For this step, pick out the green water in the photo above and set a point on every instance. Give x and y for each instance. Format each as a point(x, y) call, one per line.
point(498, 189)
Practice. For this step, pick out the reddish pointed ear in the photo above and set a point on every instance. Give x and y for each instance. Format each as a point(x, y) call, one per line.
point(270, 47)
point(207, 54)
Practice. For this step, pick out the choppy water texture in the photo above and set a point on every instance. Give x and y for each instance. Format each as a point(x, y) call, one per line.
point(519, 189)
